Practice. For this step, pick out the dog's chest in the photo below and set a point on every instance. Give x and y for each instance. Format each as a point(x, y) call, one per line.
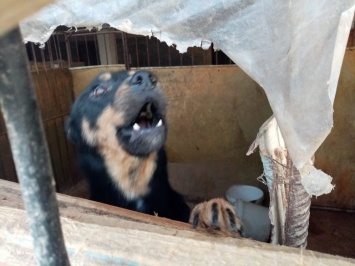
point(131, 175)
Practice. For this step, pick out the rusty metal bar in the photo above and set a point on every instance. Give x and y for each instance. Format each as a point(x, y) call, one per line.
point(116, 47)
point(125, 51)
point(169, 47)
point(192, 55)
point(97, 50)
point(106, 53)
point(30, 151)
point(56, 50)
point(67, 46)
point(146, 39)
point(87, 51)
point(77, 48)
point(205, 56)
point(137, 54)
point(34, 57)
point(2, 168)
point(158, 50)
point(43, 60)
point(50, 52)
point(59, 52)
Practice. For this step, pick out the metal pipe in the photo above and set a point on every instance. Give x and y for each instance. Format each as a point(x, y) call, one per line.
point(68, 48)
point(59, 52)
point(105, 45)
point(30, 151)
point(34, 57)
point(125, 51)
point(137, 54)
point(158, 50)
point(192, 56)
point(146, 42)
point(55, 50)
point(43, 60)
point(169, 51)
point(77, 49)
point(87, 51)
point(96, 50)
point(50, 52)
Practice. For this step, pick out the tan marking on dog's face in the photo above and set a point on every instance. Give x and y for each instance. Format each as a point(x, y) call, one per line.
point(105, 76)
point(123, 97)
point(88, 134)
point(122, 93)
point(131, 174)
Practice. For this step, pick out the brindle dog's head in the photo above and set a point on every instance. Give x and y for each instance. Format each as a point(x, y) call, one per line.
point(123, 110)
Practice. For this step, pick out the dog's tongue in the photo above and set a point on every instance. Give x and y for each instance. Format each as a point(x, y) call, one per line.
point(144, 123)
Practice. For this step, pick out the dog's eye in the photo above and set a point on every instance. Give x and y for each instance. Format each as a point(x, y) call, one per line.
point(99, 90)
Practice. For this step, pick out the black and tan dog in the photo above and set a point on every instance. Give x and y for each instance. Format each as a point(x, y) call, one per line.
point(119, 127)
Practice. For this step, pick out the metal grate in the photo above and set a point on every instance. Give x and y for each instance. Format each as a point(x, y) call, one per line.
point(81, 47)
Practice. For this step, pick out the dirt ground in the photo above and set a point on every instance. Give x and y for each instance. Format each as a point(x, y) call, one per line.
point(332, 232)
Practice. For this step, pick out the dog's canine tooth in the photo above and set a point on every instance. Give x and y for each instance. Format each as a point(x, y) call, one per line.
point(160, 123)
point(136, 127)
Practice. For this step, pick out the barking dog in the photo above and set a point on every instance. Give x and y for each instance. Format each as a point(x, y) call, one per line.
point(119, 127)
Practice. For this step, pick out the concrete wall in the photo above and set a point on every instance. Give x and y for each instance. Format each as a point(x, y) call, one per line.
point(336, 156)
point(214, 115)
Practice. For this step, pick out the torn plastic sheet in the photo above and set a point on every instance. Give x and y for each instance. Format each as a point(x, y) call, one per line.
point(315, 181)
point(273, 150)
point(290, 189)
point(293, 49)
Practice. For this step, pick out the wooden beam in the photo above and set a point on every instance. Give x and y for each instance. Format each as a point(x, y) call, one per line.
point(13, 11)
point(97, 234)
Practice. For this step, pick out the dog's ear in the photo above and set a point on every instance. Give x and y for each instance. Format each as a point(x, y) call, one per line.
point(72, 131)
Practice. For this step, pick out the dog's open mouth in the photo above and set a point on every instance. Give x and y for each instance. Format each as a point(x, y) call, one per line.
point(148, 118)
point(146, 132)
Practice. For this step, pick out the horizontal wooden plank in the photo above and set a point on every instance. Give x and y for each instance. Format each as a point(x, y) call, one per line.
point(97, 234)
point(13, 11)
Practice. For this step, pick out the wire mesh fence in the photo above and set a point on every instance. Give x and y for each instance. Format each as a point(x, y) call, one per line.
point(68, 48)
point(80, 47)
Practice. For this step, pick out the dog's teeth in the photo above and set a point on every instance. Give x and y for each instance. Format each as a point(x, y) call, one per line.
point(136, 127)
point(159, 123)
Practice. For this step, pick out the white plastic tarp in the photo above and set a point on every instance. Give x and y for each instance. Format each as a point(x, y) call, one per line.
point(293, 49)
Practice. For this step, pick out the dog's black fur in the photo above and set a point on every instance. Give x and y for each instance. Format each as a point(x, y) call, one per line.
point(118, 102)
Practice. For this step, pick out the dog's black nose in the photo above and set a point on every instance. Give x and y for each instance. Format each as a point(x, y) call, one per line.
point(144, 80)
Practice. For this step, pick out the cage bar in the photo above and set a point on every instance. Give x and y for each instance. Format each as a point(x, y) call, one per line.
point(30, 151)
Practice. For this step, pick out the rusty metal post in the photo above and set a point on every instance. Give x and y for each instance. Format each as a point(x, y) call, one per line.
point(30, 151)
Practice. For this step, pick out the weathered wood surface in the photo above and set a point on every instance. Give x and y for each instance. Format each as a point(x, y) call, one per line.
point(12, 11)
point(55, 97)
point(97, 234)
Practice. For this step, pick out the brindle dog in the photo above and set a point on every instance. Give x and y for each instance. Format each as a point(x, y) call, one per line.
point(119, 127)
